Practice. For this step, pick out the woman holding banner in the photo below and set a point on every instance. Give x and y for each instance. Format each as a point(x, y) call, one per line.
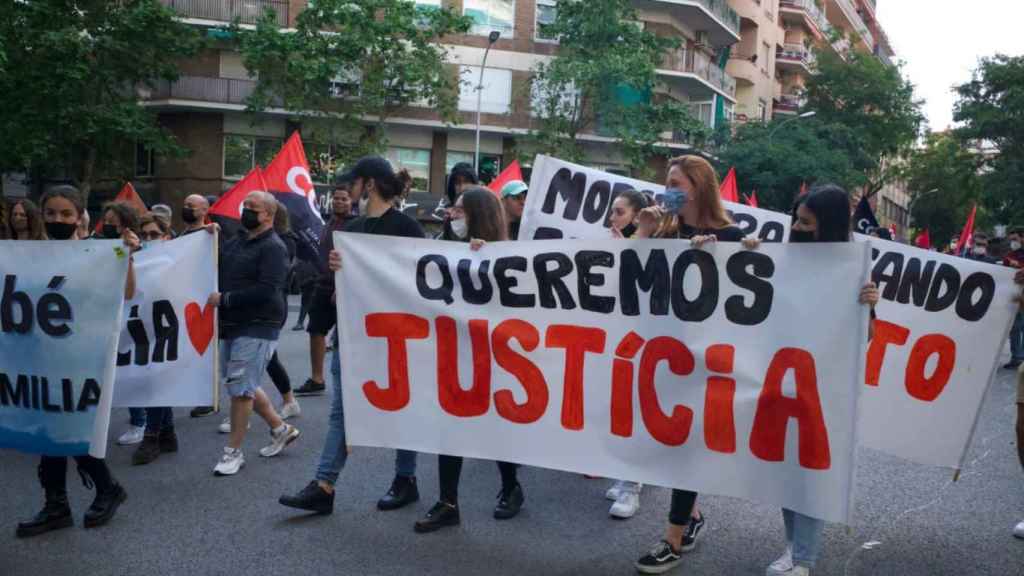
point(477, 218)
point(62, 211)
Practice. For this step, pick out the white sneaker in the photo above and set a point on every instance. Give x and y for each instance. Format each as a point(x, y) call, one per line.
point(290, 410)
point(1018, 531)
point(615, 490)
point(231, 461)
point(225, 426)
point(279, 441)
point(132, 436)
point(783, 565)
point(626, 505)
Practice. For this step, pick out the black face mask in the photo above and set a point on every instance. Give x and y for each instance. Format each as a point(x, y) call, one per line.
point(628, 230)
point(188, 216)
point(110, 232)
point(250, 219)
point(60, 230)
point(801, 236)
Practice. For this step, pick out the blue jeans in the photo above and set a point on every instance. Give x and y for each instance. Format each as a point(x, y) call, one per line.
point(803, 534)
point(1017, 338)
point(137, 417)
point(335, 452)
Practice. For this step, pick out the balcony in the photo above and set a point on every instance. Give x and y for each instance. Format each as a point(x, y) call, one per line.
point(245, 11)
point(794, 57)
point(715, 17)
point(698, 76)
point(743, 67)
point(200, 89)
point(852, 21)
point(788, 104)
point(809, 12)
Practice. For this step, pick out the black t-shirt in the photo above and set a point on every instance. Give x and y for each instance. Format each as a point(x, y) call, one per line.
point(390, 223)
point(727, 234)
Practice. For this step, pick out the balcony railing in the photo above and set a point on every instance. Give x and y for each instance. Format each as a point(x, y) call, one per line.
point(795, 53)
point(700, 65)
point(789, 103)
point(722, 11)
point(814, 13)
point(246, 11)
point(202, 89)
point(850, 11)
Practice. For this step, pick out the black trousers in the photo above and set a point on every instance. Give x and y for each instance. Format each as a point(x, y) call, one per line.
point(278, 375)
point(450, 468)
point(683, 502)
point(53, 472)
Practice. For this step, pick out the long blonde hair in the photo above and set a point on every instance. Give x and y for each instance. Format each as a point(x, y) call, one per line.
point(711, 212)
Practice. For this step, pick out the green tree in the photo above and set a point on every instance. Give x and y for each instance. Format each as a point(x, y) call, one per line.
point(991, 110)
point(69, 79)
point(603, 80)
point(778, 157)
point(876, 103)
point(942, 177)
point(350, 62)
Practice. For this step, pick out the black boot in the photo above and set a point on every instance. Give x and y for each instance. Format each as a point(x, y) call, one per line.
point(109, 494)
point(168, 441)
point(56, 514)
point(510, 502)
point(148, 451)
point(402, 493)
point(312, 498)
point(441, 515)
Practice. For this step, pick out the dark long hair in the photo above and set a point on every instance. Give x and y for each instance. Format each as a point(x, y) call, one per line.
point(126, 214)
point(464, 171)
point(36, 230)
point(830, 205)
point(637, 200)
point(484, 214)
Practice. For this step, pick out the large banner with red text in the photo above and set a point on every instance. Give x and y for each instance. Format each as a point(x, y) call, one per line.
point(719, 369)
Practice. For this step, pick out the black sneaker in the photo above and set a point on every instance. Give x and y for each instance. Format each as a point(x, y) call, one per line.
point(312, 498)
point(692, 532)
point(298, 327)
point(1011, 365)
point(56, 514)
point(310, 388)
point(200, 411)
point(660, 559)
point(441, 515)
point(509, 503)
point(403, 492)
point(105, 506)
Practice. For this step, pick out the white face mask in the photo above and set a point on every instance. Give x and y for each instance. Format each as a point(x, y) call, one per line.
point(1014, 245)
point(363, 202)
point(460, 228)
point(979, 251)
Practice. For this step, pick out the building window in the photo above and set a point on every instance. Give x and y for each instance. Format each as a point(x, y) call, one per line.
point(144, 165)
point(541, 100)
point(762, 111)
point(242, 153)
point(454, 158)
point(491, 15)
point(490, 164)
point(416, 161)
point(547, 11)
point(497, 90)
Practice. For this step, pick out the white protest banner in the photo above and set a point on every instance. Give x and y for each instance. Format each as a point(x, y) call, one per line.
point(567, 200)
point(923, 295)
point(942, 324)
point(60, 315)
point(718, 370)
point(167, 348)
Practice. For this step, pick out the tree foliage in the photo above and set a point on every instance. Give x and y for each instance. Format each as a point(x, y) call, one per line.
point(991, 110)
point(943, 179)
point(603, 80)
point(778, 157)
point(875, 103)
point(350, 62)
point(69, 76)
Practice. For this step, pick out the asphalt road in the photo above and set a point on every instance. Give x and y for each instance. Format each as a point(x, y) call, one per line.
point(180, 519)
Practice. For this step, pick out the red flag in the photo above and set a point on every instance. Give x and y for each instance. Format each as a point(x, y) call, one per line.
point(923, 240)
point(752, 199)
point(230, 203)
point(289, 172)
point(510, 173)
point(965, 236)
point(729, 190)
point(129, 196)
point(892, 231)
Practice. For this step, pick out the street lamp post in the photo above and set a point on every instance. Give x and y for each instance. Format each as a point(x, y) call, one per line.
point(793, 119)
point(491, 39)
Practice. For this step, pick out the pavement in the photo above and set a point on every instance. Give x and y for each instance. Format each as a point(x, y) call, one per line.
point(181, 520)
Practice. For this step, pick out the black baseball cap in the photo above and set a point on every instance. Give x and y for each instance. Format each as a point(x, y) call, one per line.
point(376, 167)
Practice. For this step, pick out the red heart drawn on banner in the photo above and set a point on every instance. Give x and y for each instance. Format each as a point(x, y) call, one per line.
point(200, 326)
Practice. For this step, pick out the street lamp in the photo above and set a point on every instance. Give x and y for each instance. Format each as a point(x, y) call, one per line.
point(793, 119)
point(491, 39)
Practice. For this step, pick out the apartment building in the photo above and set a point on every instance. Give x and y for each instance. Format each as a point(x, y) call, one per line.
point(205, 108)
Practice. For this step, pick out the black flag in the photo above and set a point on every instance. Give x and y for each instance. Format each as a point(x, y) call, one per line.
point(864, 219)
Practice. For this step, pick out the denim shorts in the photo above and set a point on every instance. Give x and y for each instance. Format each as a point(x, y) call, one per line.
point(243, 361)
